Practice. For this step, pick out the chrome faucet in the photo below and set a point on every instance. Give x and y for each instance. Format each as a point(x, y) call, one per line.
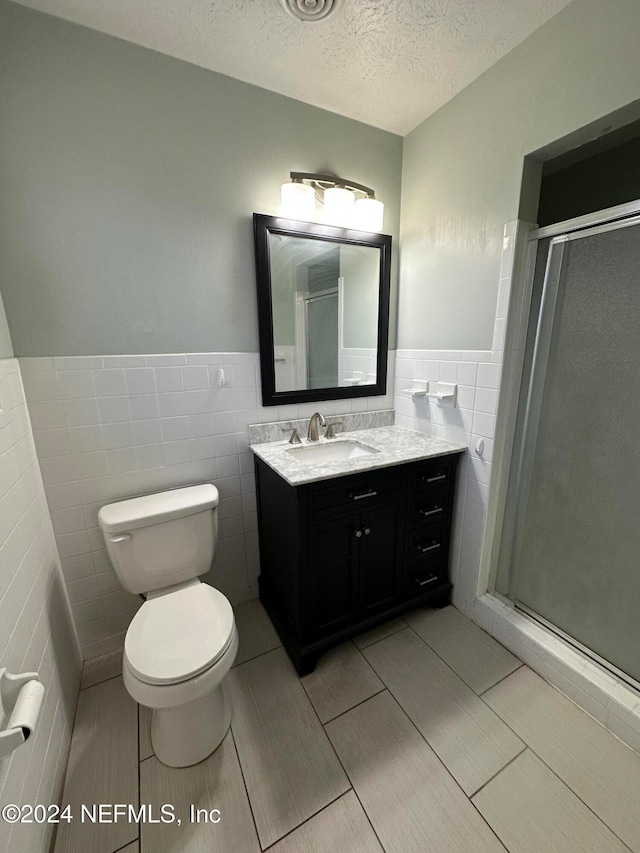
point(316, 419)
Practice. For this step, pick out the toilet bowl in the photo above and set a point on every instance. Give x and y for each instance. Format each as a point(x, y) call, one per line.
point(183, 640)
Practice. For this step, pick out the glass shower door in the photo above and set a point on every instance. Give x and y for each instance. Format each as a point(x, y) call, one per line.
point(575, 542)
point(322, 340)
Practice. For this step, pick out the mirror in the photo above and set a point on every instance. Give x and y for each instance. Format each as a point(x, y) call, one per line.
point(323, 310)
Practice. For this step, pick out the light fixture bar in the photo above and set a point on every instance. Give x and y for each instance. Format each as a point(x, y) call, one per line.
point(330, 181)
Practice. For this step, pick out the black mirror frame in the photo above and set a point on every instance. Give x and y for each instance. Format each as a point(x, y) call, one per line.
point(264, 225)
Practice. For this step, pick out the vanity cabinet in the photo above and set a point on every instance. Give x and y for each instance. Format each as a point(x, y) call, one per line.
point(352, 568)
point(340, 556)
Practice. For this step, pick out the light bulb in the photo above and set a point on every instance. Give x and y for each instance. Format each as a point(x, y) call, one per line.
point(368, 215)
point(298, 201)
point(338, 206)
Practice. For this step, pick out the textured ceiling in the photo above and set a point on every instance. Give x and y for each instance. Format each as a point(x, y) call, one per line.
point(389, 63)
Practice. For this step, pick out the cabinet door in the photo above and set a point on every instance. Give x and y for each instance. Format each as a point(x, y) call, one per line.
point(379, 558)
point(332, 596)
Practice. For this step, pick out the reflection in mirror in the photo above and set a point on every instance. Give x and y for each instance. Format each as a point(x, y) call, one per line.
point(323, 296)
point(325, 313)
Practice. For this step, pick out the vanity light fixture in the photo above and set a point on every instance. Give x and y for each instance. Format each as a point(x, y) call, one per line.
point(346, 203)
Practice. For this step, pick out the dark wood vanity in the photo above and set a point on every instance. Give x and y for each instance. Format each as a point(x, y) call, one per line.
point(340, 556)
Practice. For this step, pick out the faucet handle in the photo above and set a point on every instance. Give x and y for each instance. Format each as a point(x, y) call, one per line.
point(295, 438)
point(331, 429)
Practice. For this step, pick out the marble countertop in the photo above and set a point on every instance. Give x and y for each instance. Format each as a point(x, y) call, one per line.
point(394, 445)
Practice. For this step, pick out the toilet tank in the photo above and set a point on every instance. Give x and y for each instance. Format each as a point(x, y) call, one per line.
point(163, 539)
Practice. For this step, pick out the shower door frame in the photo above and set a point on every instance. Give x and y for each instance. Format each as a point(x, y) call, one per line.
point(507, 453)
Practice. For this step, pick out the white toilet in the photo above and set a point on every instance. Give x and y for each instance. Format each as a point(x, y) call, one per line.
point(183, 640)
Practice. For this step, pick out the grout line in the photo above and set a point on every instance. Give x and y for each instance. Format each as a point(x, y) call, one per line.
point(244, 782)
point(344, 769)
point(307, 819)
point(102, 681)
point(504, 678)
point(63, 781)
point(124, 846)
point(386, 688)
point(446, 769)
point(373, 642)
point(578, 797)
point(357, 705)
point(259, 655)
point(322, 726)
point(551, 770)
point(366, 814)
point(563, 783)
point(511, 760)
point(455, 672)
point(139, 776)
point(364, 661)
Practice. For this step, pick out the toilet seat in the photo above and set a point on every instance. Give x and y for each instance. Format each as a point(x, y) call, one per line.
point(176, 636)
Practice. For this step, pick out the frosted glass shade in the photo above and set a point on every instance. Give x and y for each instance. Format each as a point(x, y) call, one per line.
point(298, 201)
point(338, 207)
point(368, 215)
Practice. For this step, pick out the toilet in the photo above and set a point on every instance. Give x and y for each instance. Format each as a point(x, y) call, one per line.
point(183, 640)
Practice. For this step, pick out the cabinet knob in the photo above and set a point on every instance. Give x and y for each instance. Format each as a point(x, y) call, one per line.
point(358, 533)
point(367, 531)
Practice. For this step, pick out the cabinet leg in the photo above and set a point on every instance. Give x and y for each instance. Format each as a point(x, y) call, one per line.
point(306, 664)
point(440, 601)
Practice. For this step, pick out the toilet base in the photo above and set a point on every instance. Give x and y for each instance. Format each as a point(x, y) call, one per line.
point(187, 734)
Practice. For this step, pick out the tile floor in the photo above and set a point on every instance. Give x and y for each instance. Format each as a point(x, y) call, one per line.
point(423, 735)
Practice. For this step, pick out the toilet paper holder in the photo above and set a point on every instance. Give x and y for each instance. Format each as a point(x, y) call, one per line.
point(20, 702)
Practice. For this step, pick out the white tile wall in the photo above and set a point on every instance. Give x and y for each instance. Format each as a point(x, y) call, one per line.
point(36, 630)
point(601, 694)
point(111, 427)
point(470, 421)
point(356, 362)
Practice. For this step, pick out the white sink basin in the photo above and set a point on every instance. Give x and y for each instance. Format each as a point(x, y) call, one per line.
point(339, 451)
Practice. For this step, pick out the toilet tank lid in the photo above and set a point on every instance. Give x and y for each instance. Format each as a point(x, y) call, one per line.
point(154, 509)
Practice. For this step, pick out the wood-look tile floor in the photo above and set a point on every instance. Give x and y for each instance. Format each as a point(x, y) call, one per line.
point(423, 736)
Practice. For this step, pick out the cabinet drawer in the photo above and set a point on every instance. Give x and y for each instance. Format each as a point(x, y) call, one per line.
point(425, 575)
point(359, 494)
point(433, 474)
point(429, 505)
point(428, 542)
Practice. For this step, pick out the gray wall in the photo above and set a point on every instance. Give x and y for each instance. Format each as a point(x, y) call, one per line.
point(6, 348)
point(128, 183)
point(360, 267)
point(462, 168)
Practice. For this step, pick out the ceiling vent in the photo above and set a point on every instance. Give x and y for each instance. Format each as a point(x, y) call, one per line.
point(310, 10)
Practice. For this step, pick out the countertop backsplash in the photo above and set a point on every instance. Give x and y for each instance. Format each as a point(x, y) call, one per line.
point(261, 433)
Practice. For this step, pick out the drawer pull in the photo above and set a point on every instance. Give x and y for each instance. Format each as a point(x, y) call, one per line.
point(434, 479)
point(430, 511)
point(371, 493)
point(428, 580)
point(424, 548)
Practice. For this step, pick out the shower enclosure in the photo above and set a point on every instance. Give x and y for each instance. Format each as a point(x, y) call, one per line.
point(570, 550)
